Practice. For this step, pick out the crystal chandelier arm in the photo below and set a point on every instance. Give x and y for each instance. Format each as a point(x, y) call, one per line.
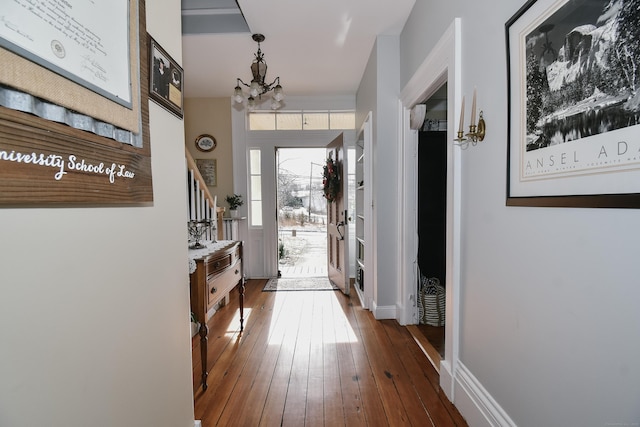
point(267, 87)
point(239, 81)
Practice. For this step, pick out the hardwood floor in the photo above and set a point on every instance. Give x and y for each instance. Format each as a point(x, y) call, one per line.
point(315, 359)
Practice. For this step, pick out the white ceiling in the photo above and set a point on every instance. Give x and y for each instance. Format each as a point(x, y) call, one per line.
point(316, 47)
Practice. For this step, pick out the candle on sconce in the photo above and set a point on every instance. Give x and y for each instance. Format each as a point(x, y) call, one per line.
point(461, 127)
point(473, 108)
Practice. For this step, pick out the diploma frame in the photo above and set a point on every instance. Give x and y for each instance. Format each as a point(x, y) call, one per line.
point(87, 169)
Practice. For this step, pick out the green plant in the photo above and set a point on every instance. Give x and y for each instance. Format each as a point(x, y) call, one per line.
point(235, 201)
point(281, 250)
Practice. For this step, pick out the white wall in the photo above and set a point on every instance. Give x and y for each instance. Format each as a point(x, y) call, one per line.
point(549, 317)
point(378, 92)
point(94, 302)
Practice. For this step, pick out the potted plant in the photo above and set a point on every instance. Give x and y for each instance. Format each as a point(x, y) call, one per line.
point(234, 201)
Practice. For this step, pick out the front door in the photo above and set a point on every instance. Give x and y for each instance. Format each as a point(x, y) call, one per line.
point(335, 189)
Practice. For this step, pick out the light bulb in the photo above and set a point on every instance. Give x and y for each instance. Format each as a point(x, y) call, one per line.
point(255, 87)
point(278, 95)
point(238, 96)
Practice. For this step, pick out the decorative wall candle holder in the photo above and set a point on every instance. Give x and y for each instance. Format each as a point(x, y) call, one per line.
point(476, 130)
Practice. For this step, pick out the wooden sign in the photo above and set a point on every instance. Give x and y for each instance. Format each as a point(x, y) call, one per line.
point(56, 162)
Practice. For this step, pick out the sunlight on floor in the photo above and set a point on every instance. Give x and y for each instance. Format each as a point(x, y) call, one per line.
point(234, 324)
point(335, 327)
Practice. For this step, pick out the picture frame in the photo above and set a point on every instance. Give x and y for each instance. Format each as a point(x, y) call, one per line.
point(166, 79)
point(76, 145)
point(573, 133)
point(209, 170)
point(206, 143)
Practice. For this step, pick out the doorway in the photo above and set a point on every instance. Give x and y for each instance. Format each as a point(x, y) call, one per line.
point(301, 213)
point(432, 221)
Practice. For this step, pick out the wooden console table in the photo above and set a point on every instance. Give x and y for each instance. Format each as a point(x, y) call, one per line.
point(216, 274)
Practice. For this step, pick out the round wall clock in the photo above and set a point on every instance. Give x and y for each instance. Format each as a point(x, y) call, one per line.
point(205, 142)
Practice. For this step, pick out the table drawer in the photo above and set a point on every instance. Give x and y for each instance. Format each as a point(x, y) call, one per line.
point(222, 284)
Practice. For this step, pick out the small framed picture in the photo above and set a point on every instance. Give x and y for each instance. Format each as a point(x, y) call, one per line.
point(206, 143)
point(165, 79)
point(208, 169)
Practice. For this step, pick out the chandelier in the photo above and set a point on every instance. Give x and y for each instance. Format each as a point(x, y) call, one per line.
point(258, 87)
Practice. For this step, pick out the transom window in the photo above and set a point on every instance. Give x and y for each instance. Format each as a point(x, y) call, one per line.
point(302, 120)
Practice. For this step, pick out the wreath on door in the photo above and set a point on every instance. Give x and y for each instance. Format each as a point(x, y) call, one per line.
point(330, 180)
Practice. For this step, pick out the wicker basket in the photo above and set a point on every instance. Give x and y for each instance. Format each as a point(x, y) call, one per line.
point(431, 302)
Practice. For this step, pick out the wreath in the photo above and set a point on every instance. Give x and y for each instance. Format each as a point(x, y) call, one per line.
point(331, 180)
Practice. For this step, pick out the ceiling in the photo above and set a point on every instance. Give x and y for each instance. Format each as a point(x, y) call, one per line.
point(316, 47)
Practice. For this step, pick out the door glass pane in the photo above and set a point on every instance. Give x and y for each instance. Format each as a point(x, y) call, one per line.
point(262, 121)
point(254, 161)
point(256, 186)
point(342, 120)
point(256, 213)
point(316, 121)
point(289, 121)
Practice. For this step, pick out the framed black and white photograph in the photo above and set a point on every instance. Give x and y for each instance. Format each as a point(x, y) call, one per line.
point(574, 104)
point(165, 80)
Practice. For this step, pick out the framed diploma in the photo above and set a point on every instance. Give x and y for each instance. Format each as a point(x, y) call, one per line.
point(74, 128)
point(75, 39)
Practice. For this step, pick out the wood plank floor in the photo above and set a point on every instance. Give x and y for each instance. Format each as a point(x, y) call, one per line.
point(315, 359)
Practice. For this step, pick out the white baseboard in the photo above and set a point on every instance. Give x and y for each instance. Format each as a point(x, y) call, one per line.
point(383, 311)
point(197, 423)
point(475, 403)
point(446, 379)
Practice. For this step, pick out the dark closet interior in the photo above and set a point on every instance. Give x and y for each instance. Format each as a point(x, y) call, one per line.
point(432, 203)
point(432, 215)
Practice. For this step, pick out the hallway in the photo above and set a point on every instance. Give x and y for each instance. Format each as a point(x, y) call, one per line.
point(315, 358)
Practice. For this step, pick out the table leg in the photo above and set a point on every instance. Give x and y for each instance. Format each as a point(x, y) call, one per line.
point(241, 291)
point(204, 342)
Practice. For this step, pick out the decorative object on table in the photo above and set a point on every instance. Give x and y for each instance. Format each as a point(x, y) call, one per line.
point(574, 104)
point(258, 87)
point(235, 201)
point(208, 169)
point(330, 180)
point(165, 79)
point(206, 143)
point(197, 228)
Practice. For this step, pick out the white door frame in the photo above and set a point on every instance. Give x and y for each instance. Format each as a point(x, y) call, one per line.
point(443, 64)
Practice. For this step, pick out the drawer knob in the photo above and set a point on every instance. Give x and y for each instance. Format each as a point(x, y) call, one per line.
point(216, 265)
point(237, 271)
point(214, 290)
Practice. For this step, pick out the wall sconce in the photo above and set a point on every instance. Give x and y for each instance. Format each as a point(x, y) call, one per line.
point(476, 131)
